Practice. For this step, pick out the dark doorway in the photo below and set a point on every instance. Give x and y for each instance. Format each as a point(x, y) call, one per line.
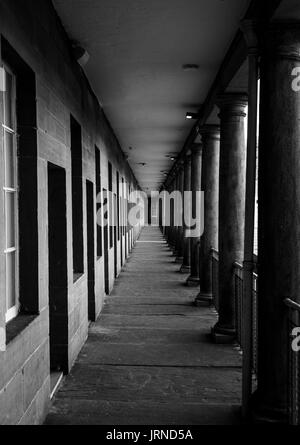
point(115, 236)
point(149, 211)
point(77, 201)
point(91, 250)
point(121, 230)
point(58, 273)
point(126, 227)
point(106, 243)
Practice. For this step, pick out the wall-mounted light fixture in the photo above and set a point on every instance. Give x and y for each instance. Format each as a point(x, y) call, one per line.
point(81, 54)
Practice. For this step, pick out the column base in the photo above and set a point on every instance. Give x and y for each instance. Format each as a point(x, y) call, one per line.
point(261, 413)
point(179, 260)
point(193, 281)
point(204, 300)
point(222, 335)
point(185, 269)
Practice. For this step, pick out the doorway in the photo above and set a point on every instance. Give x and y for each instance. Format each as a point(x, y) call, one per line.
point(58, 274)
point(115, 236)
point(91, 250)
point(106, 242)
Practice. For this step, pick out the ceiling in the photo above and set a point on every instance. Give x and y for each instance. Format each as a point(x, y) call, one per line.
point(288, 10)
point(137, 49)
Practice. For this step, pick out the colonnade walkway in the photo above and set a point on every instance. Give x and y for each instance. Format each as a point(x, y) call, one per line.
point(149, 359)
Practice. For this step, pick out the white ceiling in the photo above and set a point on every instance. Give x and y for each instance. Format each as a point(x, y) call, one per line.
point(137, 49)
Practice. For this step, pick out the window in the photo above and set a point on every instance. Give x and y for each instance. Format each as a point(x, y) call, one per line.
point(118, 205)
point(123, 208)
point(10, 196)
point(19, 179)
point(110, 204)
point(99, 208)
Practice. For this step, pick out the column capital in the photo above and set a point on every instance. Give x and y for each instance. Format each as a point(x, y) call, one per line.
point(197, 148)
point(175, 170)
point(209, 132)
point(180, 165)
point(173, 176)
point(232, 104)
point(188, 157)
point(283, 40)
point(252, 33)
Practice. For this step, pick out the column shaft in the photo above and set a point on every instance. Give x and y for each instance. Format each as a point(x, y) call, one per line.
point(279, 215)
point(210, 186)
point(194, 279)
point(176, 210)
point(231, 207)
point(180, 233)
point(187, 205)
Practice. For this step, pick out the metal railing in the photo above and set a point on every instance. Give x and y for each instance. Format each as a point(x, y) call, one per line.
point(255, 322)
point(215, 277)
point(293, 363)
point(238, 277)
point(238, 296)
point(293, 309)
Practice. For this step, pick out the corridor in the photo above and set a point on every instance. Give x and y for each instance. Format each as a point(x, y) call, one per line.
point(149, 358)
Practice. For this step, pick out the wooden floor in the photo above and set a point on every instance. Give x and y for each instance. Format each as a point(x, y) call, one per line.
point(149, 359)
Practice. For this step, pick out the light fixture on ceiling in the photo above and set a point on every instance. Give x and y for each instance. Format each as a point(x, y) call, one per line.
point(172, 156)
point(143, 164)
point(190, 67)
point(192, 116)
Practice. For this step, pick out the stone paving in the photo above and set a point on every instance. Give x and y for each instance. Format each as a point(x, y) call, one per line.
point(149, 359)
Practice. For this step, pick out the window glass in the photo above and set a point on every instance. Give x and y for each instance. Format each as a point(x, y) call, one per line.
point(10, 204)
point(11, 280)
point(9, 153)
point(8, 96)
point(10, 197)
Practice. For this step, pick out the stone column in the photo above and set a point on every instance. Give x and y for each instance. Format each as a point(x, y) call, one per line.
point(175, 206)
point(180, 233)
point(167, 215)
point(194, 278)
point(279, 214)
point(172, 219)
point(231, 207)
point(168, 228)
point(210, 186)
point(251, 31)
point(187, 204)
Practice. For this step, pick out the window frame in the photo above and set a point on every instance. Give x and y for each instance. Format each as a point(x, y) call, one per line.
point(12, 312)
